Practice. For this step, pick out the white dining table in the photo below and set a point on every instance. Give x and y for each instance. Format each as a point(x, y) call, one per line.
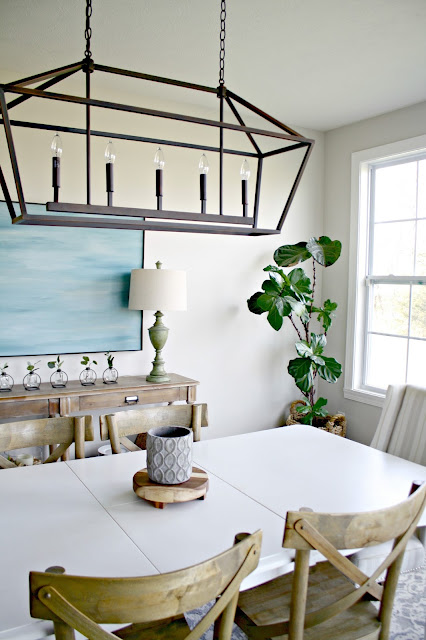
point(83, 514)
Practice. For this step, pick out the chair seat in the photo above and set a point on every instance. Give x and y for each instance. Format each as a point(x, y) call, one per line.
point(369, 558)
point(176, 628)
point(269, 603)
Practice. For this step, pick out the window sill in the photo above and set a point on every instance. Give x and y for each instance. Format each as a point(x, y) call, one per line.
point(367, 397)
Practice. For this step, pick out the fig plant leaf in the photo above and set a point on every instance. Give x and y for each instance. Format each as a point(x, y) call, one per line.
point(324, 250)
point(291, 254)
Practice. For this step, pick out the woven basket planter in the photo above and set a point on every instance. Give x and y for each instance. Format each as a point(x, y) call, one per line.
point(333, 424)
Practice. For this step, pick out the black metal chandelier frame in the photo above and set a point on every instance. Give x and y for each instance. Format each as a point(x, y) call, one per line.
point(116, 217)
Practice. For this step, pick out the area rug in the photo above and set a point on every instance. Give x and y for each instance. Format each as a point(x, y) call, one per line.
point(409, 612)
point(408, 618)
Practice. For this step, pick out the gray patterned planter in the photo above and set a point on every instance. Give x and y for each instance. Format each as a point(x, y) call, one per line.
point(169, 454)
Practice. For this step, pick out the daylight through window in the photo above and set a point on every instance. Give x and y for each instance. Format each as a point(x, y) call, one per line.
point(388, 304)
point(396, 309)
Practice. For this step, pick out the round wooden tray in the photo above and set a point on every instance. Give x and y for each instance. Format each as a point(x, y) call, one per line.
point(160, 494)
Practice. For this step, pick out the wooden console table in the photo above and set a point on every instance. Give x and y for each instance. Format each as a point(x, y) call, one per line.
point(129, 391)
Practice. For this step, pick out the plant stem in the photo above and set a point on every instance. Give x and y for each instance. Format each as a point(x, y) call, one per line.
point(312, 393)
point(314, 281)
point(294, 325)
point(314, 277)
point(306, 327)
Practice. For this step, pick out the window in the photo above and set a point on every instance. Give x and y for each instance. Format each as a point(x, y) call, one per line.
point(386, 341)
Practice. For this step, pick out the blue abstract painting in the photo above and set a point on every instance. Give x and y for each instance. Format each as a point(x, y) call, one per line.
point(65, 290)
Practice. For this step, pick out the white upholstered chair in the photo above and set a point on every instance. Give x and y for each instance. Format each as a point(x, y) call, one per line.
point(402, 425)
point(402, 432)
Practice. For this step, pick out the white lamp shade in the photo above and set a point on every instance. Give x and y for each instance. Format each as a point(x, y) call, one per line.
point(157, 290)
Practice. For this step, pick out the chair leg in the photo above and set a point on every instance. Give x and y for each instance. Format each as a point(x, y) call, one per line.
point(386, 606)
point(216, 628)
point(63, 631)
point(224, 623)
point(298, 595)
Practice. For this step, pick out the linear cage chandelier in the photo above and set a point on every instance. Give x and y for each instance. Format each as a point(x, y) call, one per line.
point(108, 216)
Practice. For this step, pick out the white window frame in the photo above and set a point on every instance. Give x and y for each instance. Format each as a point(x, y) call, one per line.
point(358, 256)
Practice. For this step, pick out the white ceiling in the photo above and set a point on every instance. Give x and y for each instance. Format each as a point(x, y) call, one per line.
point(309, 63)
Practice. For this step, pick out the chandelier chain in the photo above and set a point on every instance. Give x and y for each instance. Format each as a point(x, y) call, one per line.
point(88, 29)
point(222, 42)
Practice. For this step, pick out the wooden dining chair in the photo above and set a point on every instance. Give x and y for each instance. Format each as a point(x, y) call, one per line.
point(117, 426)
point(63, 432)
point(153, 605)
point(332, 599)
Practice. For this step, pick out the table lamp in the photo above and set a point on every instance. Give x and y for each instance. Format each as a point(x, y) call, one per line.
point(156, 289)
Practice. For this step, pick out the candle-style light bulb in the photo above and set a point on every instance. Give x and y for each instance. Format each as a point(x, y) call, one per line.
point(245, 170)
point(159, 163)
point(56, 149)
point(110, 153)
point(203, 165)
point(245, 175)
point(203, 168)
point(159, 159)
point(110, 156)
point(56, 146)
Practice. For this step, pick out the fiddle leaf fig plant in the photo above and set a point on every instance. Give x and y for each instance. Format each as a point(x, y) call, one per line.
point(291, 295)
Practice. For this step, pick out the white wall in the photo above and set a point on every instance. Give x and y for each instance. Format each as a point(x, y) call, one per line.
point(240, 361)
point(339, 145)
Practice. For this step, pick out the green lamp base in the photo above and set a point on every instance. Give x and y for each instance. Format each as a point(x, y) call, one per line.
point(158, 334)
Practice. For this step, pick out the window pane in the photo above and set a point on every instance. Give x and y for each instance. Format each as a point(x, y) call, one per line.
point(393, 250)
point(418, 312)
point(416, 363)
point(386, 361)
point(390, 308)
point(421, 248)
point(421, 206)
point(396, 192)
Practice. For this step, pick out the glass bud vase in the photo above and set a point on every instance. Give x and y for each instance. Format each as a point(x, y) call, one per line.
point(6, 382)
point(110, 375)
point(32, 381)
point(58, 379)
point(87, 377)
